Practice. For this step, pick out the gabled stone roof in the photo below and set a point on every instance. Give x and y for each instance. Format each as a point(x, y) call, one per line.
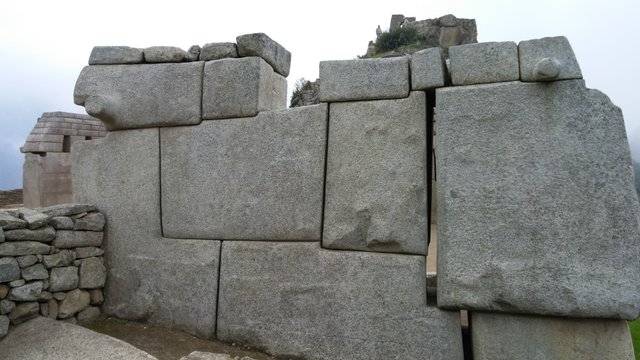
point(56, 131)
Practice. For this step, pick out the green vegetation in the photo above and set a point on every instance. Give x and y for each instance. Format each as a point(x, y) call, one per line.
point(300, 85)
point(634, 326)
point(390, 40)
point(636, 170)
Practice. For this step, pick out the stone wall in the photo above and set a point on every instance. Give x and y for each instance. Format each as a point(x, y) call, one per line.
point(445, 31)
point(10, 198)
point(303, 232)
point(51, 264)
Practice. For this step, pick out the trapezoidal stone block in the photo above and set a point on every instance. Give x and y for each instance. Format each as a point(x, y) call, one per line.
point(297, 300)
point(368, 79)
point(242, 87)
point(257, 178)
point(481, 63)
point(548, 59)
point(428, 69)
point(537, 211)
point(141, 96)
point(171, 282)
point(259, 44)
point(376, 192)
point(507, 337)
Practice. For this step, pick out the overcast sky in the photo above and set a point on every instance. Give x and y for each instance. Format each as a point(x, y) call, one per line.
point(45, 44)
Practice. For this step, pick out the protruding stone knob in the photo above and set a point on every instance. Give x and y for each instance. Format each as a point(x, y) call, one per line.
point(547, 69)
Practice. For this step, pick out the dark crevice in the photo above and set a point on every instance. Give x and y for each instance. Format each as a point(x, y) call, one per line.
point(466, 337)
point(431, 103)
point(215, 332)
point(326, 160)
point(160, 181)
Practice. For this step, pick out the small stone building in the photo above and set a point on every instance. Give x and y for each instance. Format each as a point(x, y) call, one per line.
point(46, 173)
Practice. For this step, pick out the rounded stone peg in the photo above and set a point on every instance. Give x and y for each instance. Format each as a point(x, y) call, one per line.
point(547, 69)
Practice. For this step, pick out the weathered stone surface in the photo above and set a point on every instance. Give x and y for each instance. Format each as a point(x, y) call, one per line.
point(53, 309)
point(9, 222)
point(90, 222)
point(376, 191)
point(164, 54)
point(45, 284)
point(548, 59)
point(44, 234)
point(85, 252)
point(45, 296)
point(88, 315)
point(63, 258)
point(35, 272)
point(261, 45)
point(199, 355)
point(62, 223)
point(143, 281)
point(481, 63)
point(71, 239)
point(92, 273)
point(44, 309)
point(1, 235)
point(9, 269)
point(34, 219)
point(241, 87)
point(368, 79)
point(428, 69)
point(28, 292)
point(26, 261)
point(34, 341)
point(165, 94)
point(18, 248)
point(96, 296)
point(105, 55)
point(537, 210)
point(4, 291)
point(6, 306)
point(63, 278)
point(59, 296)
point(17, 283)
point(193, 53)
point(503, 336)
point(256, 178)
point(301, 301)
point(23, 312)
point(4, 326)
point(74, 302)
point(217, 51)
point(67, 209)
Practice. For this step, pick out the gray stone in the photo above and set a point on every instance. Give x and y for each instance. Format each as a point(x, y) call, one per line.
point(506, 337)
point(481, 63)
point(9, 269)
point(96, 296)
point(92, 273)
point(70, 239)
point(34, 219)
point(18, 248)
point(45, 296)
point(261, 45)
point(43, 338)
point(365, 79)
point(28, 292)
point(217, 51)
point(376, 190)
point(193, 54)
point(88, 315)
point(23, 312)
point(241, 87)
point(59, 296)
point(199, 355)
point(71, 320)
point(63, 258)
point(537, 211)
point(62, 223)
point(302, 301)
point(45, 284)
point(164, 54)
point(85, 252)
point(35, 272)
point(4, 326)
point(6, 306)
point(138, 96)
point(548, 59)
point(1, 235)
point(63, 278)
point(44, 234)
point(105, 55)
point(428, 69)
point(53, 309)
point(256, 178)
point(26, 261)
point(143, 281)
point(67, 209)
point(44, 309)
point(90, 222)
point(17, 283)
point(75, 301)
point(4, 291)
point(9, 222)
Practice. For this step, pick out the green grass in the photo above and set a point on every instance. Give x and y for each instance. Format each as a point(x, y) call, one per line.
point(634, 326)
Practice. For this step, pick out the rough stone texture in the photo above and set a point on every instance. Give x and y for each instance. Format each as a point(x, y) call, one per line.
point(1, 235)
point(193, 53)
point(241, 87)
point(217, 51)
point(44, 310)
point(9, 269)
point(85, 252)
point(164, 54)
point(6, 306)
point(63, 278)
point(44, 234)
point(105, 55)
point(537, 210)
point(537, 55)
point(53, 309)
point(35, 272)
point(255, 178)
point(59, 296)
point(96, 296)
point(88, 315)
point(18, 248)
point(28, 292)
point(165, 94)
point(143, 281)
point(4, 326)
point(26, 261)
point(17, 283)
point(71, 239)
point(481, 63)
point(63, 258)
point(45, 295)
point(62, 223)
point(34, 219)
point(67, 209)
point(502, 336)
point(74, 302)
point(23, 312)
point(4, 291)
point(368, 79)
point(199, 355)
point(300, 301)
point(261, 45)
point(9, 222)
point(428, 69)
point(34, 341)
point(376, 191)
point(90, 222)
point(92, 273)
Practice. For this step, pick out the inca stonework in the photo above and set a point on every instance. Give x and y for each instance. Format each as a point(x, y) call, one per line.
point(303, 231)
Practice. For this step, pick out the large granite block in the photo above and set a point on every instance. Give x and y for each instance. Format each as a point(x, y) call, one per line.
point(376, 192)
point(165, 281)
point(507, 337)
point(140, 96)
point(428, 69)
point(255, 178)
point(259, 44)
point(548, 59)
point(240, 88)
point(368, 79)
point(297, 300)
point(537, 211)
point(481, 63)
point(107, 55)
